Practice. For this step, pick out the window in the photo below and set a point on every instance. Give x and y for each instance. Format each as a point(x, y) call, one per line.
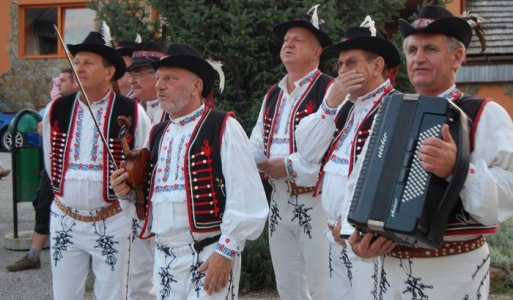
point(37, 35)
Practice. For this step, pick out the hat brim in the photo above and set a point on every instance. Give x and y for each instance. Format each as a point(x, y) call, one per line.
point(194, 64)
point(108, 53)
point(450, 26)
point(281, 29)
point(372, 44)
point(125, 51)
point(141, 62)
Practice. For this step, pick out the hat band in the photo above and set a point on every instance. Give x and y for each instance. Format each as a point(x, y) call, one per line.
point(147, 54)
point(422, 23)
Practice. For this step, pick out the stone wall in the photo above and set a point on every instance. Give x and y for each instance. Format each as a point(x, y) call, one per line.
point(27, 84)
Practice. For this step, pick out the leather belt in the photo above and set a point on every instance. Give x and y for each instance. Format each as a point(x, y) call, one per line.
point(298, 190)
point(448, 248)
point(101, 214)
point(198, 246)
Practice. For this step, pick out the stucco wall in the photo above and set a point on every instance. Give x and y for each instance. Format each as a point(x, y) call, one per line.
point(27, 83)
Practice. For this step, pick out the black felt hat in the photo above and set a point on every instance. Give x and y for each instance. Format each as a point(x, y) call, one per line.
point(125, 48)
point(436, 19)
point(145, 54)
point(95, 43)
point(186, 57)
point(311, 23)
point(363, 38)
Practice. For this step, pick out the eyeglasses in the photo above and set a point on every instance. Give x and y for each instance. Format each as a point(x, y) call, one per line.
point(138, 74)
point(351, 62)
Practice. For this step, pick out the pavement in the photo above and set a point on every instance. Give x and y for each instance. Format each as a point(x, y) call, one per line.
point(29, 284)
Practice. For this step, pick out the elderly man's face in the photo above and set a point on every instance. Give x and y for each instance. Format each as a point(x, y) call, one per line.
point(142, 82)
point(431, 65)
point(300, 46)
point(178, 90)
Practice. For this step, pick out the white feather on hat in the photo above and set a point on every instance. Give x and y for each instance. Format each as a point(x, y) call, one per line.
point(369, 23)
point(315, 16)
point(218, 67)
point(105, 32)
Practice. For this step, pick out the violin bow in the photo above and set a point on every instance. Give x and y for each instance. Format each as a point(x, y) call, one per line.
point(87, 102)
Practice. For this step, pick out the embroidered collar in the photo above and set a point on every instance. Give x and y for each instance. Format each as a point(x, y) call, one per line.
point(452, 93)
point(153, 103)
point(102, 101)
point(375, 94)
point(182, 121)
point(300, 82)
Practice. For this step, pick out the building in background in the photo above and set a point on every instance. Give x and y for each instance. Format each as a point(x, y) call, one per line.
point(30, 54)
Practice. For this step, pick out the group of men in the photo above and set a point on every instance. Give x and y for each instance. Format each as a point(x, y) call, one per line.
point(206, 198)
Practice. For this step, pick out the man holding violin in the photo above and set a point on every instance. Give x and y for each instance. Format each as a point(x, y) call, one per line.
point(86, 223)
point(206, 197)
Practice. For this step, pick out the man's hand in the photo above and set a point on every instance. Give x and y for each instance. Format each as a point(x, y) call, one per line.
point(368, 247)
point(274, 168)
point(118, 181)
point(438, 156)
point(335, 231)
point(218, 269)
point(343, 85)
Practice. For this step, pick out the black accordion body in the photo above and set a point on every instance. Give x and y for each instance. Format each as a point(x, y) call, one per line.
point(394, 196)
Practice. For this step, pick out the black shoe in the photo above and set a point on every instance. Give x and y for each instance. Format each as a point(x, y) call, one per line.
point(25, 263)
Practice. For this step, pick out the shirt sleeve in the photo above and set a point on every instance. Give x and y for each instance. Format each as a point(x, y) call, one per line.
point(246, 206)
point(142, 131)
point(313, 137)
point(315, 132)
point(257, 138)
point(46, 137)
point(487, 191)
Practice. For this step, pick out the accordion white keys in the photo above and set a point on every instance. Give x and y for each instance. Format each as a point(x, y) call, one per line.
point(394, 196)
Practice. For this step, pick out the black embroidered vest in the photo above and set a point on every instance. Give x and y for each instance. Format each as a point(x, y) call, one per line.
point(361, 136)
point(204, 180)
point(309, 103)
point(63, 112)
point(460, 222)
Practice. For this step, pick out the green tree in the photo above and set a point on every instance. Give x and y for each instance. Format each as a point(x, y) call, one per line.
point(239, 33)
point(126, 19)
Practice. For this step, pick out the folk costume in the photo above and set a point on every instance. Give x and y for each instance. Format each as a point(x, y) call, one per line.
point(85, 222)
point(297, 224)
point(205, 194)
point(340, 134)
point(460, 268)
point(142, 252)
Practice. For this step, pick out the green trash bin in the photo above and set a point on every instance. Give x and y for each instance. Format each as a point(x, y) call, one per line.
point(26, 158)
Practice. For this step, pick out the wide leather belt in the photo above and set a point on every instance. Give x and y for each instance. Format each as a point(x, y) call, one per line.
point(101, 214)
point(198, 246)
point(448, 248)
point(298, 190)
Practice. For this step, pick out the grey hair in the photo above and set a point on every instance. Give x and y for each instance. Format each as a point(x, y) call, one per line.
point(452, 44)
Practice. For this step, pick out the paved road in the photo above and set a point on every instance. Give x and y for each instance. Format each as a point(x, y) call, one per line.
point(32, 284)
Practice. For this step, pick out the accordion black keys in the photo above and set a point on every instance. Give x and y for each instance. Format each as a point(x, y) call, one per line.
point(394, 196)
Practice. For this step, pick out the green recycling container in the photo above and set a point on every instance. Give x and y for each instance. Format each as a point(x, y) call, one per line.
point(27, 157)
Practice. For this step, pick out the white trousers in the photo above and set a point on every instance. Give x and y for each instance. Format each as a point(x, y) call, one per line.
point(461, 276)
point(299, 250)
point(352, 277)
point(140, 268)
point(76, 244)
point(176, 275)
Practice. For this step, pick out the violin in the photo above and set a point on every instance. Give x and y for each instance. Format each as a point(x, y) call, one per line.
point(137, 166)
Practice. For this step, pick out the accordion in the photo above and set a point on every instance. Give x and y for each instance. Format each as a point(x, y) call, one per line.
point(394, 196)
